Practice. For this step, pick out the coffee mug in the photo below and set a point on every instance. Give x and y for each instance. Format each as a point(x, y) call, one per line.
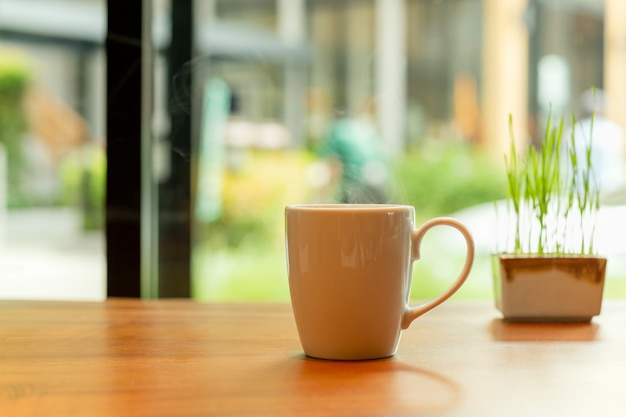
point(350, 273)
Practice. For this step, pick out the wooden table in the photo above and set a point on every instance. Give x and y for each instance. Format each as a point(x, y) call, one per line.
point(183, 358)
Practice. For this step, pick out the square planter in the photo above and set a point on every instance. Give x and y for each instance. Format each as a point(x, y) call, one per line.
point(550, 288)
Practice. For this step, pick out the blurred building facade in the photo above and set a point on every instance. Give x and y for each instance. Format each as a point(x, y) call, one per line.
point(451, 70)
point(443, 70)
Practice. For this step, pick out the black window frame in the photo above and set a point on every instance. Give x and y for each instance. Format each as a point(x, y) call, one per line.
point(128, 53)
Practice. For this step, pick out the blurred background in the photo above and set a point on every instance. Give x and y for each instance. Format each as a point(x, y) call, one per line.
point(291, 101)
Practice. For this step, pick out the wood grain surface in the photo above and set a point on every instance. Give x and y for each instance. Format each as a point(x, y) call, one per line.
point(184, 358)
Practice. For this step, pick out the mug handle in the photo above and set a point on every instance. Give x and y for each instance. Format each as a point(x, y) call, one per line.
point(411, 314)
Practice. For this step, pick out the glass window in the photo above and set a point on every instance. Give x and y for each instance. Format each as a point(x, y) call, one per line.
point(435, 80)
point(245, 107)
point(52, 147)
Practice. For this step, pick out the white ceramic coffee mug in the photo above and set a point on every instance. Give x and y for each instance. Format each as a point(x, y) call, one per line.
point(350, 269)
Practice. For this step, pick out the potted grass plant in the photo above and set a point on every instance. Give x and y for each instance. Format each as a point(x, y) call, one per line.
point(548, 269)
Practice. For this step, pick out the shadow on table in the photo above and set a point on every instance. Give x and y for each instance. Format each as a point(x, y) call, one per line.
point(506, 331)
point(372, 388)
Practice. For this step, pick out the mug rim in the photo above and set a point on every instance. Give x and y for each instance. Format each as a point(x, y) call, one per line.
point(346, 206)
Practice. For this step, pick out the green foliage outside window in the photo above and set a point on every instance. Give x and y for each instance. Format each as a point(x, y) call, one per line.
point(14, 79)
point(443, 178)
point(83, 182)
point(241, 255)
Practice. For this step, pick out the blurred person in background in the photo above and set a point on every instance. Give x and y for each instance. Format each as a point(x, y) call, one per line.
point(608, 142)
point(357, 161)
